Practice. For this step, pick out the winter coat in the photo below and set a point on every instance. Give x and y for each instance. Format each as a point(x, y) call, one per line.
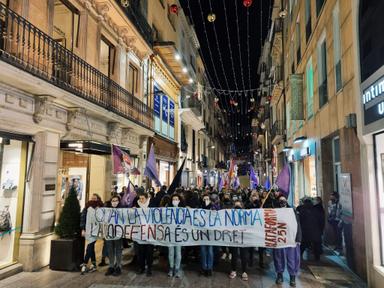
point(252, 205)
point(312, 223)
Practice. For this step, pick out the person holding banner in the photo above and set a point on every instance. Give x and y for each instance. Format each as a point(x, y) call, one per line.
point(145, 251)
point(90, 252)
point(115, 246)
point(235, 254)
point(255, 203)
point(291, 255)
point(174, 252)
point(206, 251)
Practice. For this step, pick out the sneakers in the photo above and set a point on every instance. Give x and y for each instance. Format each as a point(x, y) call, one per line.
point(223, 256)
point(229, 256)
point(292, 281)
point(279, 278)
point(117, 271)
point(178, 274)
point(109, 271)
point(92, 268)
point(244, 276)
point(232, 275)
point(170, 273)
point(83, 268)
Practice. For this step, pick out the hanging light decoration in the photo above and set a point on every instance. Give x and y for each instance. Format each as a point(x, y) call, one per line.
point(124, 3)
point(174, 9)
point(211, 17)
point(247, 3)
point(252, 100)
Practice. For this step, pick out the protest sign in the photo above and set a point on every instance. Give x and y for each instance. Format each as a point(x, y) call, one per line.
point(273, 228)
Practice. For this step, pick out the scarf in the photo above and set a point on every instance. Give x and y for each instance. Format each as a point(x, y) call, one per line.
point(145, 205)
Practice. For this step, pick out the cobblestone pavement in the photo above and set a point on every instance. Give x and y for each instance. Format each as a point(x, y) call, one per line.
point(327, 274)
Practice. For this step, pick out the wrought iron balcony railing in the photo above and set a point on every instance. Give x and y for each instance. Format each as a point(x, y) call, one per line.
point(191, 102)
point(138, 19)
point(28, 48)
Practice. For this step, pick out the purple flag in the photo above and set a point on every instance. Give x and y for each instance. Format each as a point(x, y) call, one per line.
point(267, 184)
point(236, 183)
point(221, 183)
point(283, 180)
point(121, 161)
point(150, 169)
point(253, 178)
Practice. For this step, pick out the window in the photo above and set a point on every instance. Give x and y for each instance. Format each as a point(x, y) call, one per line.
point(379, 155)
point(308, 22)
point(336, 47)
point(172, 18)
point(309, 85)
point(322, 72)
point(133, 79)
point(319, 5)
point(298, 40)
point(107, 57)
point(66, 20)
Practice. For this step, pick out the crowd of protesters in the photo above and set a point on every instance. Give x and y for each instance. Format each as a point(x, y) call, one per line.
point(310, 217)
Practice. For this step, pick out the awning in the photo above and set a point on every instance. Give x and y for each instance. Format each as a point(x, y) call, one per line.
point(89, 147)
point(167, 51)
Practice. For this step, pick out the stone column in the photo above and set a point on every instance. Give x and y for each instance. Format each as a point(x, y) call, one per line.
point(39, 207)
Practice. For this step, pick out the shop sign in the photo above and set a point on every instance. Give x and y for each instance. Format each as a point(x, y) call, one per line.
point(304, 152)
point(373, 102)
point(345, 192)
point(156, 105)
point(171, 113)
point(165, 108)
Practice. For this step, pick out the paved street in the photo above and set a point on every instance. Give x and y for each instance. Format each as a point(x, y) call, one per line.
point(337, 277)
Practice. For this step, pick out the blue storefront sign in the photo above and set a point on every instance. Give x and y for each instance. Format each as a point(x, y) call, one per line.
point(156, 105)
point(171, 113)
point(165, 108)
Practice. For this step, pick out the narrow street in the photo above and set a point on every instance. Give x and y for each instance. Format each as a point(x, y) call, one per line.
point(328, 272)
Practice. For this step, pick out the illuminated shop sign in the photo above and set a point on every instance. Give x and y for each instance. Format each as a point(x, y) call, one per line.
point(373, 101)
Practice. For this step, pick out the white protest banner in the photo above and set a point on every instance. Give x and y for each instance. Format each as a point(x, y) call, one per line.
point(273, 228)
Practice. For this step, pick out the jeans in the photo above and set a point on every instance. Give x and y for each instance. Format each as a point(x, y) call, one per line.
point(115, 251)
point(174, 257)
point(206, 257)
point(104, 252)
point(243, 258)
point(90, 253)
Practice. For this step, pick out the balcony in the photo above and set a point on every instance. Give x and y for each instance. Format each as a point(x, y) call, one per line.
point(277, 83)
point(138, 19)
point(277, 42)
point(31, 50)
point(277, 132)
point(191, 108)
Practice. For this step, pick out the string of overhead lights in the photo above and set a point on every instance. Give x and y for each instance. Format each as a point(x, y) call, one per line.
point(229, 42)
point(238, 43)
point(249, 69)
point(210, 53)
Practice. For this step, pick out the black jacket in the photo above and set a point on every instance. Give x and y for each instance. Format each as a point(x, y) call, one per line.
point(312, 223)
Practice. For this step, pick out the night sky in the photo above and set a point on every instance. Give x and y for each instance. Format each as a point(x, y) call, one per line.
point(230, 48)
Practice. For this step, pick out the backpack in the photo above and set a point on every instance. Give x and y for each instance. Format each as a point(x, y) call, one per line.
point(5, 220)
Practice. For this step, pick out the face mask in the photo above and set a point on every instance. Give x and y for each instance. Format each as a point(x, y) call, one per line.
point(207, 201)
point(283, 203)
point(175, 203)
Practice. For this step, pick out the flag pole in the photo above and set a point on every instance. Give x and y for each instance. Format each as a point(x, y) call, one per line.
point(265, 199)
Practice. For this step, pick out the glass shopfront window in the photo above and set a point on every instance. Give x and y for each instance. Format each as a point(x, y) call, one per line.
point(379, 147)
point(13, 158)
